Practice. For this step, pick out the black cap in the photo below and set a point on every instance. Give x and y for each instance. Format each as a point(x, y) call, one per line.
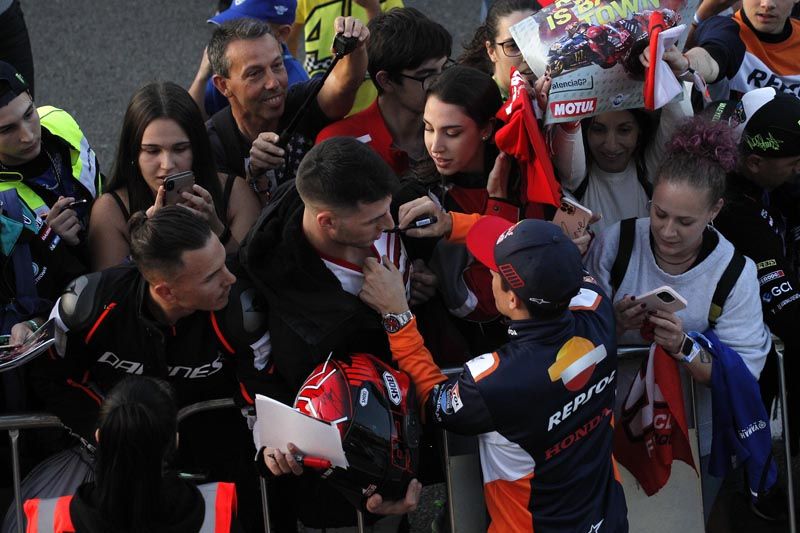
point(771, 123)
point(535, 258)
point(16, 83)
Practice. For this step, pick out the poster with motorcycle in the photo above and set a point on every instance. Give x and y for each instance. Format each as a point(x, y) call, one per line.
point(591, 48)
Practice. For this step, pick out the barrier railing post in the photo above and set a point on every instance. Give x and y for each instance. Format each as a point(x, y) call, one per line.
point(265, 504)
point(13, 435)
point(786, 445)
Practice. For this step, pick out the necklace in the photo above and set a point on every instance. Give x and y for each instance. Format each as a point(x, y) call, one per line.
point(690, 258)
point(56, 169)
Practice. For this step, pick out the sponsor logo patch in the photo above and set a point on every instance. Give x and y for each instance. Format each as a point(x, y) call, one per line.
point(771, 276)
point(363, 397)
point(575, 362)
point(573, 108)
point(392, 388)
point(766, 264)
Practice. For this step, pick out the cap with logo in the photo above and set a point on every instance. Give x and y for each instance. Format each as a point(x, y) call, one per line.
point(771, 126)
point(277, 11)
point(16, 83)
point(535, 258)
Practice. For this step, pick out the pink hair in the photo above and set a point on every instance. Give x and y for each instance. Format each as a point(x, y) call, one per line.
point(711, 141)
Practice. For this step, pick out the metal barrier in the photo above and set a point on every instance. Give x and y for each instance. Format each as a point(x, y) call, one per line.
point(13, 424)
point(461, 457)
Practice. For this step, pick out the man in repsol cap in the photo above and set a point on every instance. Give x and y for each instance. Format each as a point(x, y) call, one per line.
point(541, 405)
point(752, 219)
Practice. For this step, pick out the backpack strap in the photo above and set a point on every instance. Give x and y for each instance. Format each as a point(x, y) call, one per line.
point(627, 234)
point(641, 175)
point(226, 196)
point(225, 125)
point(580, 190)
point(725, 286)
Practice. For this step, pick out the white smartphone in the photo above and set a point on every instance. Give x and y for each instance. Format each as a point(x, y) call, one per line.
point(664, 299)
point(573, 218)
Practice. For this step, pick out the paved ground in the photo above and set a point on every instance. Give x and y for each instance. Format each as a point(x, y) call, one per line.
point(91, 55)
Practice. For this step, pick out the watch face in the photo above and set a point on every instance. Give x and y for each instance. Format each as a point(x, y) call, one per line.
point(391, 324)
point(686, 349)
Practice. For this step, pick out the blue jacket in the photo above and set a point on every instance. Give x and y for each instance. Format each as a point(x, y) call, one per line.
point(739, 419)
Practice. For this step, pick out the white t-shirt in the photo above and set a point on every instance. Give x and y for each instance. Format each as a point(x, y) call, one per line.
point(352, 278)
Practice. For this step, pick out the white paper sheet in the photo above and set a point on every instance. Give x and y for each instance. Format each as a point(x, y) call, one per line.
point(278, 424)
point(667, 86)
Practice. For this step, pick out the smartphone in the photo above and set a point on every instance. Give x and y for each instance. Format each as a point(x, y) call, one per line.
point(664, 299)
point(573, 218)
point(175, 184)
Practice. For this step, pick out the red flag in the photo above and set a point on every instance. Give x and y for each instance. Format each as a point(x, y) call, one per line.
point(521, 138)
point(656, 25)
point(652, 430)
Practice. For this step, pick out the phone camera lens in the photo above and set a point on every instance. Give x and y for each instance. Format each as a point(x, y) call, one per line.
point(666, 297)
point(170, 185)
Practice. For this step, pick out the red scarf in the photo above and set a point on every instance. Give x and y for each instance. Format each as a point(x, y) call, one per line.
point(521, 138)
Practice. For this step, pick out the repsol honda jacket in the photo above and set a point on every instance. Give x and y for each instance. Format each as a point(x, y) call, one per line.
point(110, 334)
point(542, 409)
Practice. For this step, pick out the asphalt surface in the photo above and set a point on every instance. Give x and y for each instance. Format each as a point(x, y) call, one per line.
point(91, 56)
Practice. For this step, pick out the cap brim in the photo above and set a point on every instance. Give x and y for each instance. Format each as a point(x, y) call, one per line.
point(228, 14)
point(482, 238)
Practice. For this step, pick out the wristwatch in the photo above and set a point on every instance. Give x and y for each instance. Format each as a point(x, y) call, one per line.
point(393, 322)
point(689, 349)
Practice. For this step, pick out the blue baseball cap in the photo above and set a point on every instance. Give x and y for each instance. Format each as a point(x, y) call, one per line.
point(277, 11)
point(535, 258)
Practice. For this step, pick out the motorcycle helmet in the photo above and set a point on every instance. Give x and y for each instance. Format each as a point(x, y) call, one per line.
point(375, 409)
point(597, 33)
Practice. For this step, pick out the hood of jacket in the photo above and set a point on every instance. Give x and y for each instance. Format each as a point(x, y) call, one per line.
point(182, 509)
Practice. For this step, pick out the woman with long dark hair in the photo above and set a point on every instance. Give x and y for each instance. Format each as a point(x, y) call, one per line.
point(134, 491)
point(163, 134)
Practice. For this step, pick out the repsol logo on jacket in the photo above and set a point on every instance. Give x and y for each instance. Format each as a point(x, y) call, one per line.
point(183, 372)
point(578, 401)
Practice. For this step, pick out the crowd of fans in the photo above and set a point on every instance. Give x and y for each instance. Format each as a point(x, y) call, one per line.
point(296, 241)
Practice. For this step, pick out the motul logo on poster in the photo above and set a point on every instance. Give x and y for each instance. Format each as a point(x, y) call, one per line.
point(573, 108)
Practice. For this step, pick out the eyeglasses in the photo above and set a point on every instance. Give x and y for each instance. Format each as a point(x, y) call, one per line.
point(510, 48)
point(427, 81)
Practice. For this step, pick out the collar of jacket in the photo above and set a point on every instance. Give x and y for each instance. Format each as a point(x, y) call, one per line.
point(542, 331)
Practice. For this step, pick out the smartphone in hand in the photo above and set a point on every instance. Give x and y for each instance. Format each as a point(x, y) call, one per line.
point(573, 218)
point(175, 184)
point(664, 299)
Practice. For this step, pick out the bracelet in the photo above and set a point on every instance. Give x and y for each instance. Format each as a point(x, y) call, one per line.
point(33, 325)
point(696, 20)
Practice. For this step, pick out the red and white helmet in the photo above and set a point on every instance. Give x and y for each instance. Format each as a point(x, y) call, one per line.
point(375, 409)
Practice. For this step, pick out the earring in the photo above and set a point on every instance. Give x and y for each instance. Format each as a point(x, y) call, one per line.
point(485, 138)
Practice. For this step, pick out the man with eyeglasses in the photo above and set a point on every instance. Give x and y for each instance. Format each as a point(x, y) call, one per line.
point(406, 52)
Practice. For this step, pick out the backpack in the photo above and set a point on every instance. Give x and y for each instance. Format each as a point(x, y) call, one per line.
point(627, 235)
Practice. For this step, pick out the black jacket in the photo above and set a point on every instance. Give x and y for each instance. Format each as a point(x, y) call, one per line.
point(310, 314)
point(182, 510)
point(111, 334)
